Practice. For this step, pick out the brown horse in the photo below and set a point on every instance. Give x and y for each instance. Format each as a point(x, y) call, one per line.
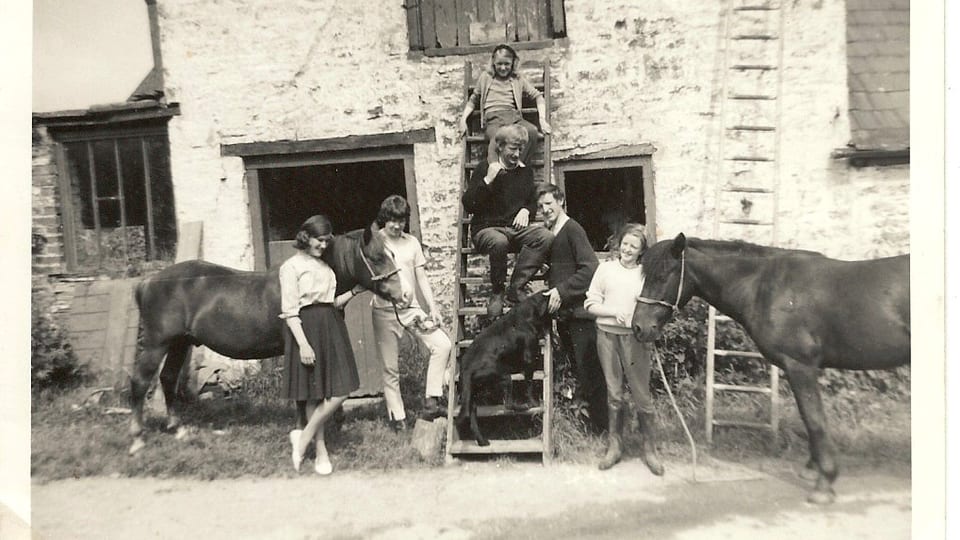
point(804, 311)
point(234, 313)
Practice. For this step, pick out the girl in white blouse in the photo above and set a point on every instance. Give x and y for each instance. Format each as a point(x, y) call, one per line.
point(612, 297)
point(319, 367)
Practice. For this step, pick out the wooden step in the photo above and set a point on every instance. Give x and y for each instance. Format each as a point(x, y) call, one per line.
point(482, 138)
point(740, 354)
point(502, 446)
point(473, 164)
point(741, 388)
point(487, 411)
point(537, 376)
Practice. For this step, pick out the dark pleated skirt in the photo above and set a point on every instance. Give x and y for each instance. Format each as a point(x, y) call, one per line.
point(335, 371)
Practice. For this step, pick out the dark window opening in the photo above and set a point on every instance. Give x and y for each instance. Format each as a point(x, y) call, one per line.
point(348, 193)
point(602, 200)
point(121, 196)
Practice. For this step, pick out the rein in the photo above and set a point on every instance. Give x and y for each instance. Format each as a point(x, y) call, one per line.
point(374, 277)
point(675, 306)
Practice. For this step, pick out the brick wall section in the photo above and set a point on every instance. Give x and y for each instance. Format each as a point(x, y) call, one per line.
point(48, 257)
point(630, 72)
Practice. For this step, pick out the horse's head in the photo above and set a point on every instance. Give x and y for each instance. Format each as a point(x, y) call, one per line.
point(379, 272)
point(663, 294)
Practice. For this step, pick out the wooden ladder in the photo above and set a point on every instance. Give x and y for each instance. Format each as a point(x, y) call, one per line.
point(467, 309)
point(748, 170)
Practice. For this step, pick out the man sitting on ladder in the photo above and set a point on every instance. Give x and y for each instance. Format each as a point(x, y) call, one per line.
point(502, 197)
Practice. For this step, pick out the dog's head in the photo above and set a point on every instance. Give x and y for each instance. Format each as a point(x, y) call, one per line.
point(536, 306)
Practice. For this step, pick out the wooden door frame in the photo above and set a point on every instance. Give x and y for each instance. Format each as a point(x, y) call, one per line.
point(352, 149)
point(644, 162)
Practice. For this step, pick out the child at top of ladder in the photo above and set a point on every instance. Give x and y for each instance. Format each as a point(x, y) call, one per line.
point(498, 94)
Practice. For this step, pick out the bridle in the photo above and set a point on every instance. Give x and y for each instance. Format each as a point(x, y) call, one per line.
point(676, 305)
point(374, 277)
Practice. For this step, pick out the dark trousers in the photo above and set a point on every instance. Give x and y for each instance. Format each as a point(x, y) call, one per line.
point(497, 242)
point(578, 337)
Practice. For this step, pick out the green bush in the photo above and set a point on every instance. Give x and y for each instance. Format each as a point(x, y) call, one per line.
point(53, 364)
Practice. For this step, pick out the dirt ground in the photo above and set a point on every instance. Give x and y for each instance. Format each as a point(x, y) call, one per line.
point(484, 499)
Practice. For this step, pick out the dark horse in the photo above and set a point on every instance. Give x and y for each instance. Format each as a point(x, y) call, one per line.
point(234, 313)
point(803, 310)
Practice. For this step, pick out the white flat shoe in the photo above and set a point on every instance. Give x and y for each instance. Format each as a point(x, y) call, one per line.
point(295, 442)
point(323, 466)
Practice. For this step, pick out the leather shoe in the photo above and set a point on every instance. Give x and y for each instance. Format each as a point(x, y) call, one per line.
point(432, 409)
point(398, 426)
point(495, 305)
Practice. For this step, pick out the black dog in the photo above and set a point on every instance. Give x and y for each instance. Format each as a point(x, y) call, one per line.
point(493, 353)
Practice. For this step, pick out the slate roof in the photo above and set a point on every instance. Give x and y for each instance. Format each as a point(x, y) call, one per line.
point(878, 74)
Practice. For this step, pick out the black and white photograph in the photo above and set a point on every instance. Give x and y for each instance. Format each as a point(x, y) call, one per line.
point(477, 269)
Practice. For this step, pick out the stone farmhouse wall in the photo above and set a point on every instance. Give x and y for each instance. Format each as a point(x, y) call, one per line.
point(628, 73)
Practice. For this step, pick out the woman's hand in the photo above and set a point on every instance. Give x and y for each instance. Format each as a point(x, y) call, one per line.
point(625, 318)
point(307, 356)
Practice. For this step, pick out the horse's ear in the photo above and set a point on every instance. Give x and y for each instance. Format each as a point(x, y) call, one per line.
point(679, 243)
point(369, 232)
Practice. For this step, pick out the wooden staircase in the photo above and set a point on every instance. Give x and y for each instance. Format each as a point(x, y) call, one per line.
point(472, 279)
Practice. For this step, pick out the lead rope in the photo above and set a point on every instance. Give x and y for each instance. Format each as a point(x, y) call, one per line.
point(693, 447)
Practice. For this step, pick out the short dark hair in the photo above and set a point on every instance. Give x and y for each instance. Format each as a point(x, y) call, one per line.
point(317, 226)
point(551, 189)
point(393, 208)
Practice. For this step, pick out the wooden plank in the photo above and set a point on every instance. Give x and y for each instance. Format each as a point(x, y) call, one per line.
point(260, 256)
point(527, 20)
point(518, 446)
point(335, 144)
point(414, 30)
point(190, 241)
point(516, 26)
point(557, 17)
point(446, 21)
point(68, 220)
point(466, 15)
point(543, 19)
point(120, 299)
point(485, 11)
point(428, 24)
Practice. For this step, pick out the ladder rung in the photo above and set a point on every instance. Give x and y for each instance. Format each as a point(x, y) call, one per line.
point(756, 8)
point(747, 222)
point(749, 158)
point(742, 354)
point(741, 423)
point(747, 189)
point(761, 37)
point(482, 138)
point(753, 67)
point(517, 446)
point(738, 388)
point(534, 163)
point(751, 128)
point(467, 251)
point(478, 310)
point(486, 411)
point(720, 317)
point(109, 198)
point(757, 97)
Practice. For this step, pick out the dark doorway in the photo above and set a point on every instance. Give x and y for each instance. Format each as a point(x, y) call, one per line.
point(603, 199)
point(348, 193)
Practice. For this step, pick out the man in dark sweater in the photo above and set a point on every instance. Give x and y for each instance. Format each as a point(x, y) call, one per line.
point(503, 200)
point(572, 264)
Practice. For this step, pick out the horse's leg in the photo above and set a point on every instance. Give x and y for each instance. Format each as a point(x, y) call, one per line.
point(144, 370)
point(803, 382)
point(169, 376)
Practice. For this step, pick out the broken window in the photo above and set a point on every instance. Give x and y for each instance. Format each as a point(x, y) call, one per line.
point(460, 26)
point(120, 199)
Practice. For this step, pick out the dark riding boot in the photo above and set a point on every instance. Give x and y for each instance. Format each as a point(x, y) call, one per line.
point(432, 409)
point(614, 439)
point(648, 432)
point(528, 264)
point(495, 304)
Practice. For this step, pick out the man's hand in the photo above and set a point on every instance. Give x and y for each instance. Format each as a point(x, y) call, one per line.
point(554, 303)
point(492, 171)
point(462, 128)
point(522, 219)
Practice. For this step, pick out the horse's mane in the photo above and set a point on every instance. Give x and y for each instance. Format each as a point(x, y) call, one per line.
point(740, 248)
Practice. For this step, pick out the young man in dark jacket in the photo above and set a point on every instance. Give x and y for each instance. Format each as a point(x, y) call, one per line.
point(572, 264)
point(503, 200)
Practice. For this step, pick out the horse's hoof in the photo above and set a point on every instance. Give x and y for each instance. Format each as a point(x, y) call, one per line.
point(182, 433)
point(821, 497)
point(137, 445)
point(809, 474)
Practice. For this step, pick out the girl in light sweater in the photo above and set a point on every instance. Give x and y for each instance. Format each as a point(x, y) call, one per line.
point(611, 298)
